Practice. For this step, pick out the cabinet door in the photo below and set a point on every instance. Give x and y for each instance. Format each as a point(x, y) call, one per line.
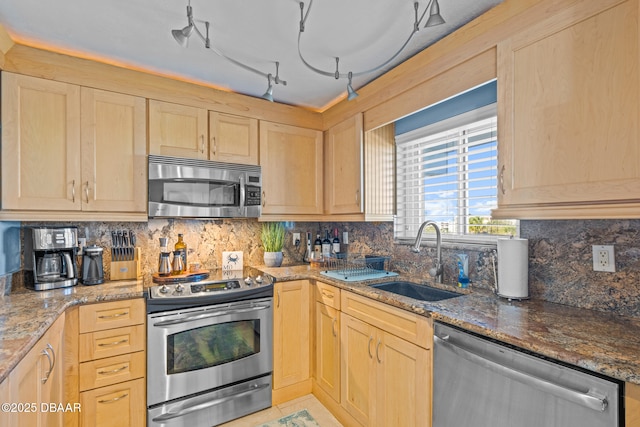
point(358, 370)
point(328, 350)
point(233, 139)
point(40, 144)
point(569, 110)
point(291, 333)
point(119, 405)
point(403, 383)
point(113, 152)
point(177, 130)
point(343, 167)
point(39, 379)
point(632, 405)
point(5, 397)
point(291, 160)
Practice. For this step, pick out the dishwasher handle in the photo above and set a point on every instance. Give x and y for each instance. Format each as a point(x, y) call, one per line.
point(587, 399)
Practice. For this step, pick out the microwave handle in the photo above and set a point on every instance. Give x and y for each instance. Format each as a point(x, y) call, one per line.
point(243, 195)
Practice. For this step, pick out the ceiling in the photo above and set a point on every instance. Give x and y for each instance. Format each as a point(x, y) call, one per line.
point(137, 34)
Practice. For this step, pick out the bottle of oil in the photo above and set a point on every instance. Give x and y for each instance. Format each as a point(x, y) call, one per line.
point(182, 247)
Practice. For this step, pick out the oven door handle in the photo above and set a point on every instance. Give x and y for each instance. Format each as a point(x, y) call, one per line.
point(185, 410)
point(188, 319)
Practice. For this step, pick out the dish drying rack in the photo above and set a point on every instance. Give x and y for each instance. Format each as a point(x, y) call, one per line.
point(356, 267)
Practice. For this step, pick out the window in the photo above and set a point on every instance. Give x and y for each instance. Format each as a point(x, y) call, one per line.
point(447, 172)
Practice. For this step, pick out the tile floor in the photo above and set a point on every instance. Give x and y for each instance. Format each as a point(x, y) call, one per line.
point(321, 414)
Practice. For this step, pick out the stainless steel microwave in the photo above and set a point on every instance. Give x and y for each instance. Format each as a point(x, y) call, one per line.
point(191, 188)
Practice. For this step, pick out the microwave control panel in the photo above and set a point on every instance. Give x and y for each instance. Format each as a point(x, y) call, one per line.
point(252, 195)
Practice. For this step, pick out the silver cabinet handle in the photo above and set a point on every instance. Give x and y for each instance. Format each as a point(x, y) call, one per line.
point(202, 144)
point(369, 347)
point(115, 399)
point(378, 351)
point(52, 363)
point(502, 179)
point(86, 191)
point(333, 326)
point(114, 371)
point(586, 399)
point(264, 199)
point(215, 147)
point(73, 191)
point(278, 294)
point(111, 316)
point(109, 344)
point(357, 195)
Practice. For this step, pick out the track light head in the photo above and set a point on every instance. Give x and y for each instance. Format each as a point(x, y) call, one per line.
point(352, 94)
point(268, 95)
point(182, 36)
point(434, 15)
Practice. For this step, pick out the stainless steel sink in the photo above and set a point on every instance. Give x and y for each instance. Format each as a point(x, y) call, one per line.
point(416, 291)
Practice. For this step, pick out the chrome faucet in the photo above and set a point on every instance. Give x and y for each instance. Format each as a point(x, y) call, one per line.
point(436, 271)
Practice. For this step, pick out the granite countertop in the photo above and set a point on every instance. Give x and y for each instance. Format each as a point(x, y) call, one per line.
point(597, 341)
point(602, 342)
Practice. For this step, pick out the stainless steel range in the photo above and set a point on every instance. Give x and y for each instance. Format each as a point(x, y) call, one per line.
point(209, 353)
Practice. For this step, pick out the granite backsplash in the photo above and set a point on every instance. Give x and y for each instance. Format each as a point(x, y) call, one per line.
point(560, 260)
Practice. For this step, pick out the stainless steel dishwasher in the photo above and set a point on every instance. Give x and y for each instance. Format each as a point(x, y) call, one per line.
point(478, 382)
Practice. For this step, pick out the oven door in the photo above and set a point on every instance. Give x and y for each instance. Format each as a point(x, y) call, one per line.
point(198, 349)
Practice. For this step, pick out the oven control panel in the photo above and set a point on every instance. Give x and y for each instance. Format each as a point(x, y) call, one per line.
point(206, 288)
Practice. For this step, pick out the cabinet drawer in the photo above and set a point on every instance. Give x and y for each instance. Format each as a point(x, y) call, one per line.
point(328, 295)
point(112, 342)
point(113, 314)
point(112, 370)
point(401, 323)
point(116, 405)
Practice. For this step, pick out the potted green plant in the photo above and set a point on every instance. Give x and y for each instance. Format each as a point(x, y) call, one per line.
point(272, 237)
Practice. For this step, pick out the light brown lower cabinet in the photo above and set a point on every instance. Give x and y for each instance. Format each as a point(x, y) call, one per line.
point(291, 340)
point(385, 380)
point(38, 381)
point(112, 364)
point(327, 357)
point(117, 405)
point(632, 405)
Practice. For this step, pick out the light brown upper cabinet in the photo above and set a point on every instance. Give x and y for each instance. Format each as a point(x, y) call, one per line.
point(233, 139)
point(291, 160)
point(569, 115)
point(67, 148)
point(343, 149)
point(114, 163)
point(359, 171)
point(40, 144)
point(177, 130)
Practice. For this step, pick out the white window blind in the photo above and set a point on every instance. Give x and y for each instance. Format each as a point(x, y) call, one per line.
point(446, 172)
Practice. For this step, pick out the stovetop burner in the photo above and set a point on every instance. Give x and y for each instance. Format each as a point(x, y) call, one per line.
point(169, 296)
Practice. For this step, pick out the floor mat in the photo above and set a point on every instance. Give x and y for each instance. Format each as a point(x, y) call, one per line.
point(298, 419)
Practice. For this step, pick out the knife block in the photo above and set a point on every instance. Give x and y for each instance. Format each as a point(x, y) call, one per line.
point(121, 270)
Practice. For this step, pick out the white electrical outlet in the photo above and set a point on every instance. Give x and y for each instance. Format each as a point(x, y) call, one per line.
point(345, 237)
point(604, 258)
point(296, 238)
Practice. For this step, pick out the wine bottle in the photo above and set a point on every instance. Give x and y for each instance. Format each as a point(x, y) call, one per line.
point(182, 247)
point(336, 242)
point(317, 247)
point(326, 245)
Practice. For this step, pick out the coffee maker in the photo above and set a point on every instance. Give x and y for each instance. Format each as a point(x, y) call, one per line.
point(50, 257)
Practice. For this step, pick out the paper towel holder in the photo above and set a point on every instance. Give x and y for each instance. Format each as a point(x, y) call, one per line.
point(524, 295)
